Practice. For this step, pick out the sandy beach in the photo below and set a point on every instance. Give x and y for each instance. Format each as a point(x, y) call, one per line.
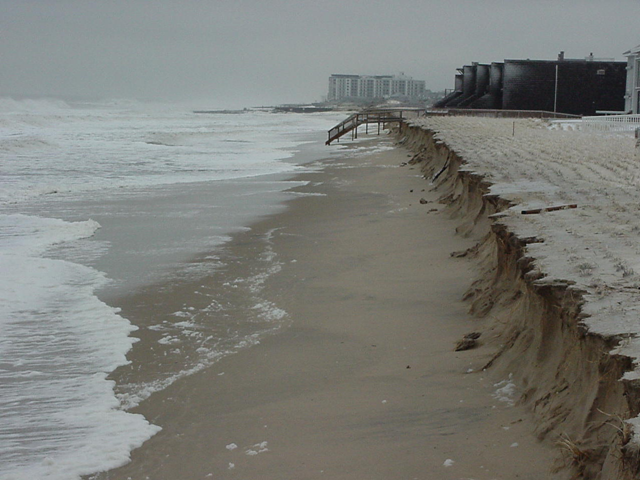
point(364, 382)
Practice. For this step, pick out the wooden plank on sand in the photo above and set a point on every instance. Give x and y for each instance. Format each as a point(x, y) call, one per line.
point(549, 209)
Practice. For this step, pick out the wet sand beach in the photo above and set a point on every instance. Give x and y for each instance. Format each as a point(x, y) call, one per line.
point(363, 381)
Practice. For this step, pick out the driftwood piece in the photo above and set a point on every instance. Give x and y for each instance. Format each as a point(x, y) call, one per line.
point(549, 209)
point(435, 177)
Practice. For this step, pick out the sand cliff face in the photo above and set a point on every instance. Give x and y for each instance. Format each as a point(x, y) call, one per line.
point(555, 314)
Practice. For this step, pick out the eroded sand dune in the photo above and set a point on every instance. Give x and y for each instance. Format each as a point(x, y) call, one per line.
point(559, 291)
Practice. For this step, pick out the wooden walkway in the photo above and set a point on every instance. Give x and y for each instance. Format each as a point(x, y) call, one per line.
point(379, 117)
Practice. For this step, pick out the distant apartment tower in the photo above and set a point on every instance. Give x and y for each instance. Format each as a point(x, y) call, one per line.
point(356, 87)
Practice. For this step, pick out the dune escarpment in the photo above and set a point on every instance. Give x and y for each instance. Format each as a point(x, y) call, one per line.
point(556, 295)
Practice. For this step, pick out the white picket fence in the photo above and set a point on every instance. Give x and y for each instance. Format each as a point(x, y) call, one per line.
point(611, 123)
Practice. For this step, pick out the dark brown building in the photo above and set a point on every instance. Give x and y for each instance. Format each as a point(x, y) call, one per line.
point(579, 87)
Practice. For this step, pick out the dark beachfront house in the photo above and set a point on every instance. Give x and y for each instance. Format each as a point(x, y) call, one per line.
point(575, 86)
point(455, 93)
point(467, 86)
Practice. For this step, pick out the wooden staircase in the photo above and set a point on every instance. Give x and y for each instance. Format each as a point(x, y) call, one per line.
point(351, 124)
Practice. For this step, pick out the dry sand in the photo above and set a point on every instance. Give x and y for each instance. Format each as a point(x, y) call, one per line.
point(364, 383)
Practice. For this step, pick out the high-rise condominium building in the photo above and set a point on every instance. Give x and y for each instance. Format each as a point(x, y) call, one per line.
point(344, 87)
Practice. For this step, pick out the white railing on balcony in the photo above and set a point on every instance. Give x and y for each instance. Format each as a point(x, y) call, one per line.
point(611, 123)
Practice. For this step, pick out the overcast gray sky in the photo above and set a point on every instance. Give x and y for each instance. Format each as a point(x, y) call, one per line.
point(255, 52)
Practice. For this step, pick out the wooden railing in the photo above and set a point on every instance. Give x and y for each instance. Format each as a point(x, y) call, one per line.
point(367, 117)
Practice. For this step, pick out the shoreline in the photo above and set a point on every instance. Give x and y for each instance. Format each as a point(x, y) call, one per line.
point(364, 381)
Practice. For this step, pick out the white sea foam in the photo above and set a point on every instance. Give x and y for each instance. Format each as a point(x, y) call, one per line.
point(98, 148)
point(60, 415)
point(269, 311)
point(58, 341)
point(506, 391)
point(257, 449)
point(264, 315)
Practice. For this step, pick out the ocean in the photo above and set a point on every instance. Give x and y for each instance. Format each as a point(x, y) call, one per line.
point(99, 201)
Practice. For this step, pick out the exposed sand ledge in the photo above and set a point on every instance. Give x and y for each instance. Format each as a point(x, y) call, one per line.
point(550, 332)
